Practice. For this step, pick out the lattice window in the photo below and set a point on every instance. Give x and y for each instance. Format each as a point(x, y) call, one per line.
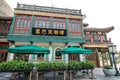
point(59, 23)
point(22, 24)
point(4, 26)
point(74, 28)
point(42, 22)
point(23, 21)
point(87, 35)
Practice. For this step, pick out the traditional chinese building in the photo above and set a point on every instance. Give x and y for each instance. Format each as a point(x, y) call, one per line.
point(55, 28)
point(96, 40)
point(49, 27)
point(5, 23)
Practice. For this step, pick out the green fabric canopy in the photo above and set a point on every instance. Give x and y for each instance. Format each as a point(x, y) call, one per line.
point(74, 50)
point(29, 49)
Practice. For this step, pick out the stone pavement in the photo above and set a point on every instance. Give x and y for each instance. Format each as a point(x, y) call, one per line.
point(98, 75)
point(5, 76)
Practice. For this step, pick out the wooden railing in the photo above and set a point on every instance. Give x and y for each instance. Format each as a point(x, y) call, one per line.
point(49, 9)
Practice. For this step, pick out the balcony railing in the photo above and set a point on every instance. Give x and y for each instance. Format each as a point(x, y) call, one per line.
point(48, 9)
point(98, 41)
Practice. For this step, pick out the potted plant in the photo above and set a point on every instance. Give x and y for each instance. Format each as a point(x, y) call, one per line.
point(108, 70)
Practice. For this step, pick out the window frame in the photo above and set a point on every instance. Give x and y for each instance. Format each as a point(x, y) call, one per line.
point(43, 22)
point(56, 23)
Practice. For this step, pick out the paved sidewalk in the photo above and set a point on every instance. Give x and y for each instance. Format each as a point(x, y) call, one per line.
point(98, 74)
point(5, 76)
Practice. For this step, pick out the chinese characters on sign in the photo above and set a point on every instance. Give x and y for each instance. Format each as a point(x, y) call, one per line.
point(50, 32)
point(103, 50)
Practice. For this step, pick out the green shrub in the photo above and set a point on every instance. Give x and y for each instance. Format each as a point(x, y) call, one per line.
point(50, 65)
point(16, 65)
point(44, 66)
point(74, 65)
point(87, 64)
point(59, 65)
point(108, 67)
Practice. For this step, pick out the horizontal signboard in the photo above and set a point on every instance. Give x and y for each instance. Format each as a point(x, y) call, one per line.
point(49, 32)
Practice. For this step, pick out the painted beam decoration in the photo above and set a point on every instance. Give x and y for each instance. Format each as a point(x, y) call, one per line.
point(49, 32)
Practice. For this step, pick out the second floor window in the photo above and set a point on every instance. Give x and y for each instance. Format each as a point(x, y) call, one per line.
point(4, 26)
point(41, 22)
point(59, 23)
point(74, 28)
point(23, 21)
point(22, 24)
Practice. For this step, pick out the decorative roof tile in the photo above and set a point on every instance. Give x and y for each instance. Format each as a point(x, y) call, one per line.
point(108, 29)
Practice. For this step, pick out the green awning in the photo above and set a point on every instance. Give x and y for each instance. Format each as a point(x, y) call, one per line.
point(29, 49)
point(74, 50)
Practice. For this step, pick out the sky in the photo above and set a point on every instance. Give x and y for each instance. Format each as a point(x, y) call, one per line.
point(99, 13)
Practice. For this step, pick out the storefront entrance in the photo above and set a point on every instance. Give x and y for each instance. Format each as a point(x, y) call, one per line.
point(105, 59)
point(103, 56)
point(73, 57)
point(3, 55)
point(3, 51)
point(92, 58)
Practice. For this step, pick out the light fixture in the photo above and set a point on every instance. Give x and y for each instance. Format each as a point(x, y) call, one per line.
point(112, 50)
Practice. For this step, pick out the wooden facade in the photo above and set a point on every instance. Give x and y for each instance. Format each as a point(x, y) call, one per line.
point(55, 29)
point(5, 23)
point(96, 39)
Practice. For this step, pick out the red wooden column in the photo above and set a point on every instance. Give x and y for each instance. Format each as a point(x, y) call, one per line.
point(91, 37)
